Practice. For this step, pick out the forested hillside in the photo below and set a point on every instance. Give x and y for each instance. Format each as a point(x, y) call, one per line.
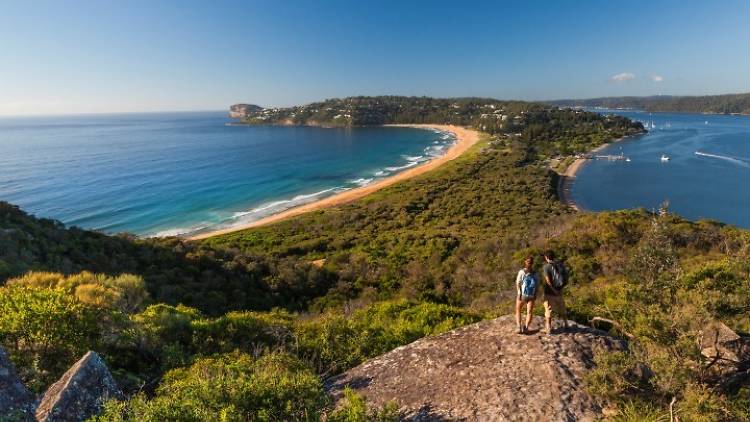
point(715, 104)
point(486, 114)
point(248, 325)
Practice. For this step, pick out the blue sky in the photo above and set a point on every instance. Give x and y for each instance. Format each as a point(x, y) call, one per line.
point(106, 56)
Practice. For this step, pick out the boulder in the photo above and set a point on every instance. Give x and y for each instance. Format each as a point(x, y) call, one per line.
point(15, 400)
point(80, 392)
point(485, 371)
point(721, 344)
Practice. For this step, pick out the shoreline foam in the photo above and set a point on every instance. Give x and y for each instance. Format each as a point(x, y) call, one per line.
point(465, 139)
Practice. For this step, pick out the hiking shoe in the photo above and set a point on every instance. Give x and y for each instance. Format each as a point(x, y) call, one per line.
point(519, 330)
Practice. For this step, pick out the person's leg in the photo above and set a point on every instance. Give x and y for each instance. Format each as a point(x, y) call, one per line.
point(547, 314)
point(519, 304)
point(562, 312)
point(556, 307)
point(529, 315)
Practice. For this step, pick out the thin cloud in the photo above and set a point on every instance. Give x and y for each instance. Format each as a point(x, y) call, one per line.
point(622, 77)
point(657, 78)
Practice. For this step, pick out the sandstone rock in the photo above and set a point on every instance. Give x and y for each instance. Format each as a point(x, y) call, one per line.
point(485, 372)
point(15, 399)
point(726, 349)
point(80, 392)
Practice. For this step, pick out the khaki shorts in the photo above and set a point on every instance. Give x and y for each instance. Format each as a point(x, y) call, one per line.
point(554, 305)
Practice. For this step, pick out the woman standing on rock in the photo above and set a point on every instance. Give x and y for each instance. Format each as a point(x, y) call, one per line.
point(526, 284)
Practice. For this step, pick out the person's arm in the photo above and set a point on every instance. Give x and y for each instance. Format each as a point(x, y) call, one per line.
point(519, 280)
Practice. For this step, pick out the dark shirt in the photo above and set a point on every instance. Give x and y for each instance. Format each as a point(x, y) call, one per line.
point(547, 271)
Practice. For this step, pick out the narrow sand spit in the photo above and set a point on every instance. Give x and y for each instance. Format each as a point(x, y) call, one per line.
point(567, 178)
point(465, 139)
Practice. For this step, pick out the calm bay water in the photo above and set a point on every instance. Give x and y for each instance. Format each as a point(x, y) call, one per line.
point(177, 173)
point(714, 185)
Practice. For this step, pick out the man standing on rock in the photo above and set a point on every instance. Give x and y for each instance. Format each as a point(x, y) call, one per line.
point(555, 278)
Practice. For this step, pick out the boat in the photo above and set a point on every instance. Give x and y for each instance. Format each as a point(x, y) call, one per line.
point(664, 158)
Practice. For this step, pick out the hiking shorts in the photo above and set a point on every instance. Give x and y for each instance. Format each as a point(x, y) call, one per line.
point(554, 305)
point(526, 299)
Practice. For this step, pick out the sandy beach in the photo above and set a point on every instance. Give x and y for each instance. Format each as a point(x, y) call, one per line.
point(465, 139)
point(566, 180)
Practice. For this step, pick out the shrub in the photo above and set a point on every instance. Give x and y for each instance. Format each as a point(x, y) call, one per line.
point(355, 409)
point(125, 293)
point(234, 387)
point(335, 342)
point(45, 331)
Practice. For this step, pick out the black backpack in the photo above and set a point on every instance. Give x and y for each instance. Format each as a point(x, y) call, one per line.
point(559, 275)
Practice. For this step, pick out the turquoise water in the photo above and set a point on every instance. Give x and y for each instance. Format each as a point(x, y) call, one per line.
point(713, 185)
point(180, 173)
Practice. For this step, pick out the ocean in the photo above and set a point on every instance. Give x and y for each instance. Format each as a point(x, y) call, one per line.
point(161, 174)
point(706, 176)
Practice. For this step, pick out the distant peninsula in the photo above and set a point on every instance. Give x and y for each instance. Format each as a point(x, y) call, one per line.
point(709, 104)
point(482, 113)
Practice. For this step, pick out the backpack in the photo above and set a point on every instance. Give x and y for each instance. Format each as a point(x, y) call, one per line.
point(528, 286)
point(559, 275)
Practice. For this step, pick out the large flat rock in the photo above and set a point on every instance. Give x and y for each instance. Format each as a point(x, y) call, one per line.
point(485, 372)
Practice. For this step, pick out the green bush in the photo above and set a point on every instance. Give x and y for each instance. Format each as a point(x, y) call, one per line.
point(618, 374)
point(45, 331)
point(125, 293)
point(337, 342)
point(233, 387)
point(355, 409)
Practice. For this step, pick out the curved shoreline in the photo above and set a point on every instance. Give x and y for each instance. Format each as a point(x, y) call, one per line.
point(567, 179)
point(465, 139)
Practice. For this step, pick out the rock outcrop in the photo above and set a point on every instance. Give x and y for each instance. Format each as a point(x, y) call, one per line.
point(718, 341)
point(80, 392)
point(485, 372)
point(15, 399)
point(727, 352)
point(240, 111)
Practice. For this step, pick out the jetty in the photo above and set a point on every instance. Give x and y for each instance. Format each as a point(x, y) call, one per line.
point(608, 157)
point(611, 157)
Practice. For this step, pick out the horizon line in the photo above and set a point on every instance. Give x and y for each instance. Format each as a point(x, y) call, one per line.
point(103, 113)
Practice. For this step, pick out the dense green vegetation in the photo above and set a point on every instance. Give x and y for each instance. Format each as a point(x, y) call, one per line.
point(489, 115)
point(212, 280)
point(718, 104)
point(245, 326)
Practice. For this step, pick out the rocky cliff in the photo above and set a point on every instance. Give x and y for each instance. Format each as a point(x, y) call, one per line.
point(241, 111)
point(485, 372)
